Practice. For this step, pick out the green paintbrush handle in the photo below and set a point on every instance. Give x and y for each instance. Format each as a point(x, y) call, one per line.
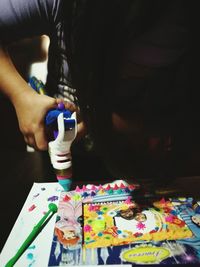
point(34, 233)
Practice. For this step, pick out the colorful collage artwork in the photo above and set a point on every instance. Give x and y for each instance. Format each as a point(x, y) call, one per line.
point(102, 226)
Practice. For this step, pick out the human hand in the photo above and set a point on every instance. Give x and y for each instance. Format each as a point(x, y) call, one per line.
point(31, 109)
point(81, 127)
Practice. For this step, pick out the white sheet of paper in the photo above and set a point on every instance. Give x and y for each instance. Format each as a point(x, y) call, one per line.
point(37, 254)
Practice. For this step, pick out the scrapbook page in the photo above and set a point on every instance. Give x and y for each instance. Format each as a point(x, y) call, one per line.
point(101, 226)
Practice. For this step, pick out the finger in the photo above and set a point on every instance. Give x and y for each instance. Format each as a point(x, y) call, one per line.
point(30, 141)
point(41, 140)
point(81, 130)
point(50, 102)
point(68, 105)
point(26, 140)
point(59, 100)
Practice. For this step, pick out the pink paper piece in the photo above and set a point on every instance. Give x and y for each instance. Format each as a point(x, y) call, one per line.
point(122, 186)
point(84, 188)
point(162, 201)
point(78, 189)
point(100, 187)
point(93, 188)
point(128, 200)
point(108, 187)
point(131, 186)
point(116, 187)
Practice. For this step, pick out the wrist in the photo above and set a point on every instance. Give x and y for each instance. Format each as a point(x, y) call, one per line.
point(25, 94)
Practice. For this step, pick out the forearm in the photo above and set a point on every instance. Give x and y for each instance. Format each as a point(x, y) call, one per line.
point(11, 82)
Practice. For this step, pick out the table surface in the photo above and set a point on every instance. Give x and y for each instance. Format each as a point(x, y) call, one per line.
point(20, 169)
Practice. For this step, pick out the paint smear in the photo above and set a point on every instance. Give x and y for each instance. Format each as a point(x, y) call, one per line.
point(31, 247)
point(29, 256)
point(53, 198)
point(32, 208)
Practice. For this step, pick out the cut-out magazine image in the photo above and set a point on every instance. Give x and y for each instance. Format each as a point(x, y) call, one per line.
point(156, 231)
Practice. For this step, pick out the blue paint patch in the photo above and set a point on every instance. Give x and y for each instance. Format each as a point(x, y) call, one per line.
point(29, 256)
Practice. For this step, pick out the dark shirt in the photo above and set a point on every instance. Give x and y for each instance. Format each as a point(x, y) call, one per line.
point(24, 19)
